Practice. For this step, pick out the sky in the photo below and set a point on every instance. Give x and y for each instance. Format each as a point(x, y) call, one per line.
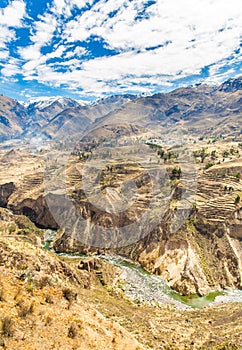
point(86, 49)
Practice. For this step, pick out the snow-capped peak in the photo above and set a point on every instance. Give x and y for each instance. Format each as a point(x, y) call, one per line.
point(113, 98)
point(45, 101)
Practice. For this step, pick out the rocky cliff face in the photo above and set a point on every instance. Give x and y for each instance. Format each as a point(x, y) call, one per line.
point(204, 254)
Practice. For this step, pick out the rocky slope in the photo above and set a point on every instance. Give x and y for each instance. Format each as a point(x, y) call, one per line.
point(200, 109)
point(50, 301)
point(13, 118)
point(41, 307)
point(204, 254)
point(53, 117)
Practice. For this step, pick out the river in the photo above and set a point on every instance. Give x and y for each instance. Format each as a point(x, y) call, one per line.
point(143, 287)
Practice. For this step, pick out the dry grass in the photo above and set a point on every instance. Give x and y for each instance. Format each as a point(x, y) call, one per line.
point(7, 327)
point(25, 308)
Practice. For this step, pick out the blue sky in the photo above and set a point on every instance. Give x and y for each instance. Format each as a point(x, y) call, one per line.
point(86, 49)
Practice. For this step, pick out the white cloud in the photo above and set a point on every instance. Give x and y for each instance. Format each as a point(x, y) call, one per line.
point(11, 68)
point(3, 54)
point(11, 17)
point(6, 35)
point(43, 33)
point(64, 7)
point(44, 29)
point(191, 35)
point(184, 36)
point(78, 51)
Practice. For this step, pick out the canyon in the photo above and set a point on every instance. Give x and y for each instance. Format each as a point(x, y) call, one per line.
point(153, 180)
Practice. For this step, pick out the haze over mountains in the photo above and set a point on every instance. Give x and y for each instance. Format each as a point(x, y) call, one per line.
point(200, 108)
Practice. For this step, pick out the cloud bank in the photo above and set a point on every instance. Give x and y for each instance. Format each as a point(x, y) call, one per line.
point(94, 48)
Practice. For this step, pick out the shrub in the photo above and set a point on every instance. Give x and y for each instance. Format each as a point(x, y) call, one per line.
point(7, 327)
point(237, 199)
point(176, 173)
point(69, 295)
point(225, 154)
point(2, 295)
point(72, 331)
point(208, 165)
point(43, 282)
point(48, 320)
point(49, 299)
point(25, 309)
point(238, 176)
point(11, 229)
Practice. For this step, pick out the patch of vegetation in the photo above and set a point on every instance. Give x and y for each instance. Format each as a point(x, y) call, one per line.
point(7, 327)
point(72, 331)
point(208, 165)
point(204, 264)
point(69, 295)
point(237, 199)
point(25, 308)
point(196, 301)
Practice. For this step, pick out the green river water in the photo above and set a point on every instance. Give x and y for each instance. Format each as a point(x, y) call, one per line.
point(141, 286)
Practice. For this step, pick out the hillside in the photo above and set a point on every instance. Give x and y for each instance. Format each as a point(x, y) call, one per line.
point(50, 301)
point(13, 118)
point(40, 300)
point(197, 110)
point(210, 234)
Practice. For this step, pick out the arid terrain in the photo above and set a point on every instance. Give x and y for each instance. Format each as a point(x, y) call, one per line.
point(206, 251)
point(50, 302)
point(127, 237)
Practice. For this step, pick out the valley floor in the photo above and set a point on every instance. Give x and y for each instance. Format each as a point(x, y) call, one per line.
point(48, 302)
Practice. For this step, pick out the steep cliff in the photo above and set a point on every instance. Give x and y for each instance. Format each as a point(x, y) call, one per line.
point(204, 253)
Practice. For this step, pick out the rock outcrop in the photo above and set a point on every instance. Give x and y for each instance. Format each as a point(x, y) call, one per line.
point(204, 254)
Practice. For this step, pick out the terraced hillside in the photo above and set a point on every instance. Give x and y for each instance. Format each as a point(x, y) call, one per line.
point(204, 253)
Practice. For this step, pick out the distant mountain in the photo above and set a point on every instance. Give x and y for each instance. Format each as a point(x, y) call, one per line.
point(116, 100)
point(44, 109)
point(69, 122)
point(199, 109)
point(103, 106)
point(231, 85)
point(13, 118)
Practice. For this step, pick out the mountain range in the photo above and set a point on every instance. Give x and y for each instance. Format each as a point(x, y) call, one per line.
point(196, 109)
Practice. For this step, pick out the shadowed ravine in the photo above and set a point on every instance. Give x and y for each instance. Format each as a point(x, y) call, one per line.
point(143, 287)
